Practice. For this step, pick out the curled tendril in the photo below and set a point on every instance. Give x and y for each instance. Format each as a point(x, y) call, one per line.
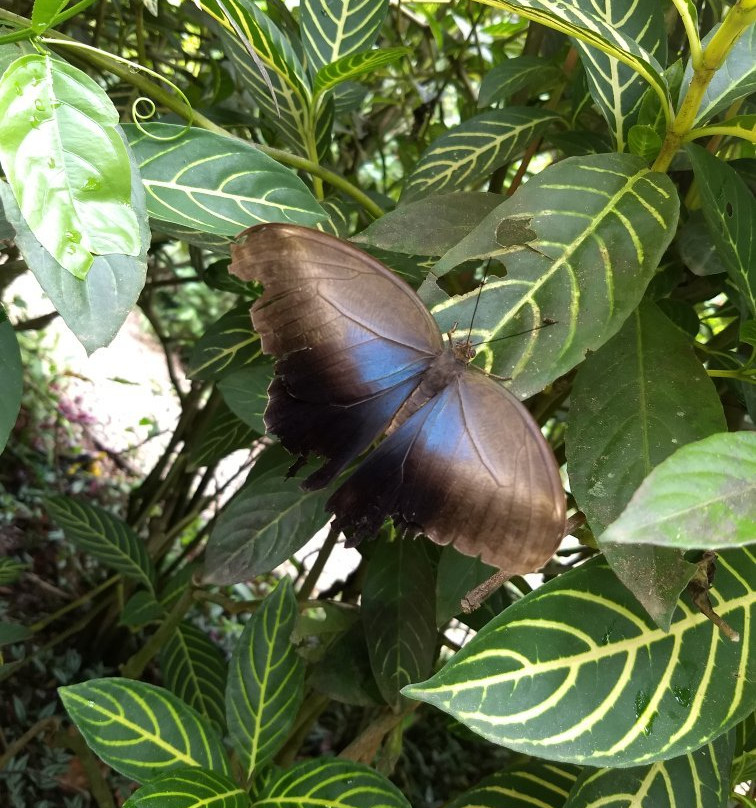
point(148, 102)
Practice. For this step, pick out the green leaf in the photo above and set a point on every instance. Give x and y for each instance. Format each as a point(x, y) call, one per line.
point(11, 633)
point(616, 88)
point(66, 163)
point(225, 434)
point(195, 670)
point(538, 784)
point(456, 576)
point(44, 12)
point(10, 570)
point(644, 141)
point(735, 79)
point(344, 673)
point(267, 521)
point(12, 378)
point(333, 783)
point(532, 73)
point(332, 29)
point(102, 535)
point(580, 19)
point(94, 309)
point(700, 497)
point(353, 65)
point(216, 184)
point(189, 788)
point(140, 609)
point(230, 344)
point(430, 226)
point(599, 225)
point(399, 615)
point(265, 680)
point(576, 671)
point(700, 779)
point(470, 152)
point(730, 211)
point(177, 584)
point(697, 249)
point(246, 393)
point(622, 423)
point(139, 729)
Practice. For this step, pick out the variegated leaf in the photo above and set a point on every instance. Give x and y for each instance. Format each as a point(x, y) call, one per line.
point(700, 779)
point(534, 73)
point(580, 242)
point(353, 65)
point(228, 345)
point(189, 788)
point(469, 153)
point(576, 671)
point(265, 680)
point(616, 88)
point(216, 184)
point(330, 783)
point(142, 730)
point(332, 29)
point(588, 26)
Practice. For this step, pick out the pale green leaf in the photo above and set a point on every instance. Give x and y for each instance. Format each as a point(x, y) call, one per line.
point(577, 672)
point(102, 535)
point(142, 730)
point(218, 185)
point(265, 680)
point(66, 162)
point(701, 497)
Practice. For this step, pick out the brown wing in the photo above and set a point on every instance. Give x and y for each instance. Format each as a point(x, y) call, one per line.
point(351, 338)
point(471, 469)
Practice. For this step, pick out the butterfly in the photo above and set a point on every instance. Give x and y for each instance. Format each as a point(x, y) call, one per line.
point(359, 357)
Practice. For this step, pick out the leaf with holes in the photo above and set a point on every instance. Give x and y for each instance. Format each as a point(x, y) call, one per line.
point(580, 243)
point(584, 22)
point(264, 523)
point(331, 782)
point(399, 615)
point(140, 729)
point(332, 29)
point(66, 163)
point(472, 151)
point(701, 497)
point(576, 671)
point(353, 65)
point(265, 680)
point(622, 423)
point(10, 373)
point(617, 88)
point(195, 670)
point(189, 788)
point(216, 184)
point(730, 211)
point(103, 536)
point(540, 784)
point(228, 345)
point(700, 779)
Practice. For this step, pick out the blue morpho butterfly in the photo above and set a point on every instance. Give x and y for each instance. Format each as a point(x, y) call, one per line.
point(359, 356)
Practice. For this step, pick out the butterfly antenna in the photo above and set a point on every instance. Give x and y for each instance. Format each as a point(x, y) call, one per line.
point(477, 301)
point(544, 324)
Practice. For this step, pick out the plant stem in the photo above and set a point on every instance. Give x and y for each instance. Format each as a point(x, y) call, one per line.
point(74, 604)
point(317, 568)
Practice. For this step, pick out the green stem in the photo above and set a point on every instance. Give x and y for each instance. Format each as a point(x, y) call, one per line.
point(134, 667)
point(737, 20)
point(317, 568)
point(691, 31)
point(74, 604)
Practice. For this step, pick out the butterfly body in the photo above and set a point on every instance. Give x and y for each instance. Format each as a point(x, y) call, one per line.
point(360, 357)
